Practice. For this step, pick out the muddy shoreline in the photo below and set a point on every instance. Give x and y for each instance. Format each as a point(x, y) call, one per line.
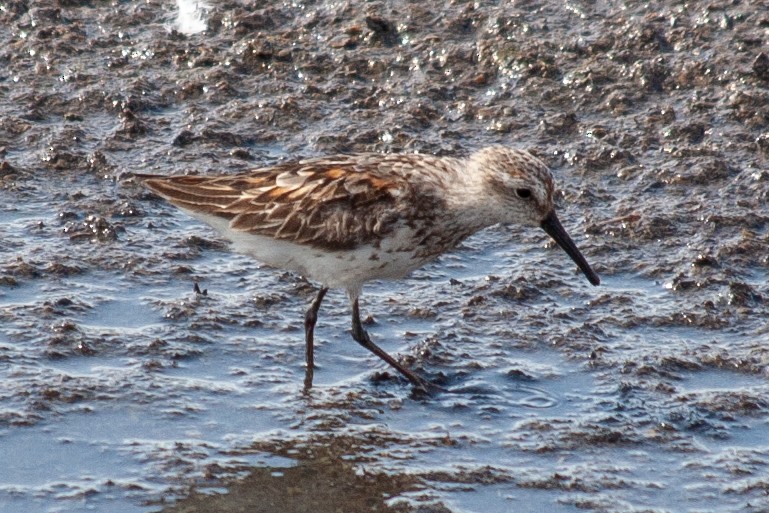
point(123, 390)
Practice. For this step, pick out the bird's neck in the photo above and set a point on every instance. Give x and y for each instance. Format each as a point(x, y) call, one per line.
point(470, 201)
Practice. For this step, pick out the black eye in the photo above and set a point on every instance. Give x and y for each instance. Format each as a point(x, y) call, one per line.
point(523, 193)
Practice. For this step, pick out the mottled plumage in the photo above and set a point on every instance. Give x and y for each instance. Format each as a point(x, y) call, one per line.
point(347, 219)
point(333, 204)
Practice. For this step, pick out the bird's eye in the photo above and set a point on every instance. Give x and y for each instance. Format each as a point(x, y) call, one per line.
point(523, 193)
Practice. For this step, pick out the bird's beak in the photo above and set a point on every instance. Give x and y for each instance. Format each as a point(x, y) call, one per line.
point(553, 227)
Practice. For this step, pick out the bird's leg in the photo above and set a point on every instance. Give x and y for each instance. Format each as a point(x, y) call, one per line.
point(361, 336)
point(310, 318)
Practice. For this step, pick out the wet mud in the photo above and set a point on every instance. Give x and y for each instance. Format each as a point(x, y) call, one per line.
point(123, 388)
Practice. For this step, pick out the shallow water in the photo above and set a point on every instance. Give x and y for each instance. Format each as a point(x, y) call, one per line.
point(123, 390)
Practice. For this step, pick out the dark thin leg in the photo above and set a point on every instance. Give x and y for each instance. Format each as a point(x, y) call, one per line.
point(310, 318)
point(361, 336)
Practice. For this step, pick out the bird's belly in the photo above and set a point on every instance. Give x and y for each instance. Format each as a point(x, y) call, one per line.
point(347, 269)
point(392, 258)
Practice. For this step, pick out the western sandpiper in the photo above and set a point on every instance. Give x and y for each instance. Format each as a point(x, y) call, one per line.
point(344, 220)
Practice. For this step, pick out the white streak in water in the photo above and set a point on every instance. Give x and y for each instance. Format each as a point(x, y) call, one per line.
point(191, 16)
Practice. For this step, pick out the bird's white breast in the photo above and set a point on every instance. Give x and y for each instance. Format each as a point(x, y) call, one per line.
point(393, 258)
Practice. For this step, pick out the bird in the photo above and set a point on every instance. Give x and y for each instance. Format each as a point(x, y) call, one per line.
point(344, 220)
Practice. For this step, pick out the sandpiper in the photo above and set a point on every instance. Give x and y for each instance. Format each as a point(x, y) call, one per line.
point(344, 220)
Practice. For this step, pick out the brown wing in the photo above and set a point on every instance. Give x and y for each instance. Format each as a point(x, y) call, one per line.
point(334, 203)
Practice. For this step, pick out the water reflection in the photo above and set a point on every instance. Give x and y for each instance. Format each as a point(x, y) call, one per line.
point(328, 474)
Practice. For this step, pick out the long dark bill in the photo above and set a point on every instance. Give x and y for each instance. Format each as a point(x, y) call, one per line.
point(553, 227)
